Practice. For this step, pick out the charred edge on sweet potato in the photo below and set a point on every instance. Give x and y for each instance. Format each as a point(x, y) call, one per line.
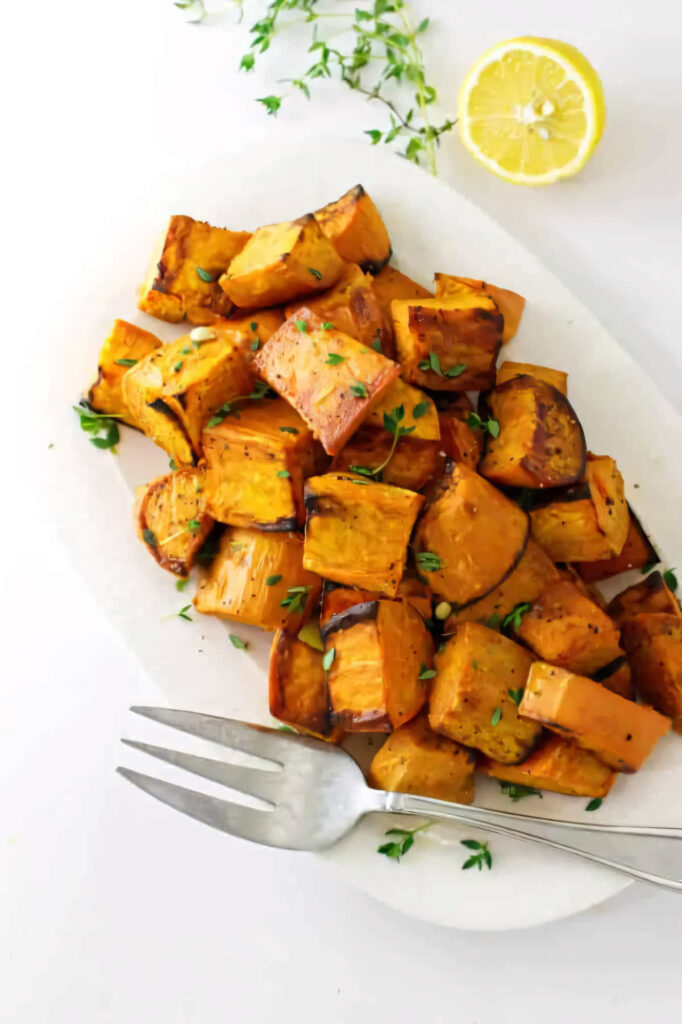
point(158, 405)
point(608, 670)
point(366, 611)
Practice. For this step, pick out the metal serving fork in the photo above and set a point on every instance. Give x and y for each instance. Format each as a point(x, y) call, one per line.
point(316, 793)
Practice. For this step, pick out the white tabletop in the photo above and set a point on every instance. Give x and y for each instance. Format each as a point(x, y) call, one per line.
point(115, 908)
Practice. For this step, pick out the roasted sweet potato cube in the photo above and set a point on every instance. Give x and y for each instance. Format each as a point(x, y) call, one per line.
point(510, 304)
point(256, 463)
point(653, 642)
point(508, 370)
point(353, 308)
point(353, 226)
point(523, 586)
point(182, 280)
point(380, 650)
point(590, 521)
point(347, 515)
point(415, 759)
point(258, 578)
point(282, 262)
point(559, 766)
point(298, 686)
point(616, 677)
point(255, 327)
point(470, 698)
point(332, 380)
point(410, 465)
point(565, 627)
point(125, 345)
point(459, 441)
point(540, 441)
point(420, 416)
point(337, 599)
point(620, 732)
point(448, 344)
point(390, 284)
point(651, 595)
point(469, 538)
point(183, 384)
point(172, 520)
point(637, 552)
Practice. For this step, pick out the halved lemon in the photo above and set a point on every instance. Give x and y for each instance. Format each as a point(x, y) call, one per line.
point(532, 110)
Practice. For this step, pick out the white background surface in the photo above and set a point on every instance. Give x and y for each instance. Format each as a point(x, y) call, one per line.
point(114, 908)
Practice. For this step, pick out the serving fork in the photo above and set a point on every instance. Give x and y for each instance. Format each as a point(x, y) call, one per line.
point(313, 793)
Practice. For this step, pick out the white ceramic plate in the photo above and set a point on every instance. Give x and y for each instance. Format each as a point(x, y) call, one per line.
point(433, 229)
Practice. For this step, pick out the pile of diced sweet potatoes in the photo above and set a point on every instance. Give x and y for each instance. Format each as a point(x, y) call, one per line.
point(428, 566)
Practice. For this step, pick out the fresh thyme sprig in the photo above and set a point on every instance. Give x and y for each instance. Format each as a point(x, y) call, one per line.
point(392, 425)
point(380, 36)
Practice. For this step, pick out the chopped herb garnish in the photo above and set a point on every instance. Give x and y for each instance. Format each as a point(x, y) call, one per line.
point(125, 362)
point(513, 620)
point(362, 483)
point(295, 599)
point(496, 716)
point(316, 273)
point(181, 584)
point(260, 389)
point(392, 425)
point(271, 580)
point(177, 366)
point(419, 410)
point(476, 423)
point(204, 275)
point(253, 325)
point(287, 728)
point(149, 537)
point(594, 804)
point(398, 848)
point(480, 857)
point(271, 103)
point(363, 470)
point(182, 614)
point(516, 695)
point(495, 621)
point(432, 362)
point(328, 658)
point(359, 390)
point(649, 566)
point(186, 350)
point(284, 474)
point(515, 791)
point(255, 344)
point(334, 358)
point(328, 326)
point(172, 464)
point(301, 325)
point(670, 579)
point(97, 424)
point(289, 430)
point(427, 561)
point(425, 673)
point(194, 526)
point(237, 642)
point(208, 552)
point(376, 344)
point(456, 371)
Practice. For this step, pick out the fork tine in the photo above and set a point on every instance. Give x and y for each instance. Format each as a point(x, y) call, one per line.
point(230, 733)
point(252, 781)
point(221, 814)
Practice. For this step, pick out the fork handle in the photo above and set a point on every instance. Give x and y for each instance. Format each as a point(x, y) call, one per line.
point(650, 854)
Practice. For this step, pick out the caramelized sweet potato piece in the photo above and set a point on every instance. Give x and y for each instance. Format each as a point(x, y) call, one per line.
point(620, 732)
point(651, 595)
point(412, 464)
point(182, 280)
point(459, 441)
point(255, 327)
point(470, 537)
point(637, 552)
point(172, 520)
point(256, 464)
point(508, 370)
point(559, 766)
point(298, 687)
point(346, 517)
point(420, 416)
point(470, 698)
point(258, 578)
point(332, 380)
point(589, 523)
point(565, 627)
point(415, 759)
point(510, 304)
point(390, 284)
point(353, 308)
point(540, 441)
point(523, 586)
point(353, 226)
point(125, 345)
point(616, 677)
point(282, 262)
point(177, 388)
point(338, 599)
point(654, 645)
point(448, 344)
point(380, 649)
